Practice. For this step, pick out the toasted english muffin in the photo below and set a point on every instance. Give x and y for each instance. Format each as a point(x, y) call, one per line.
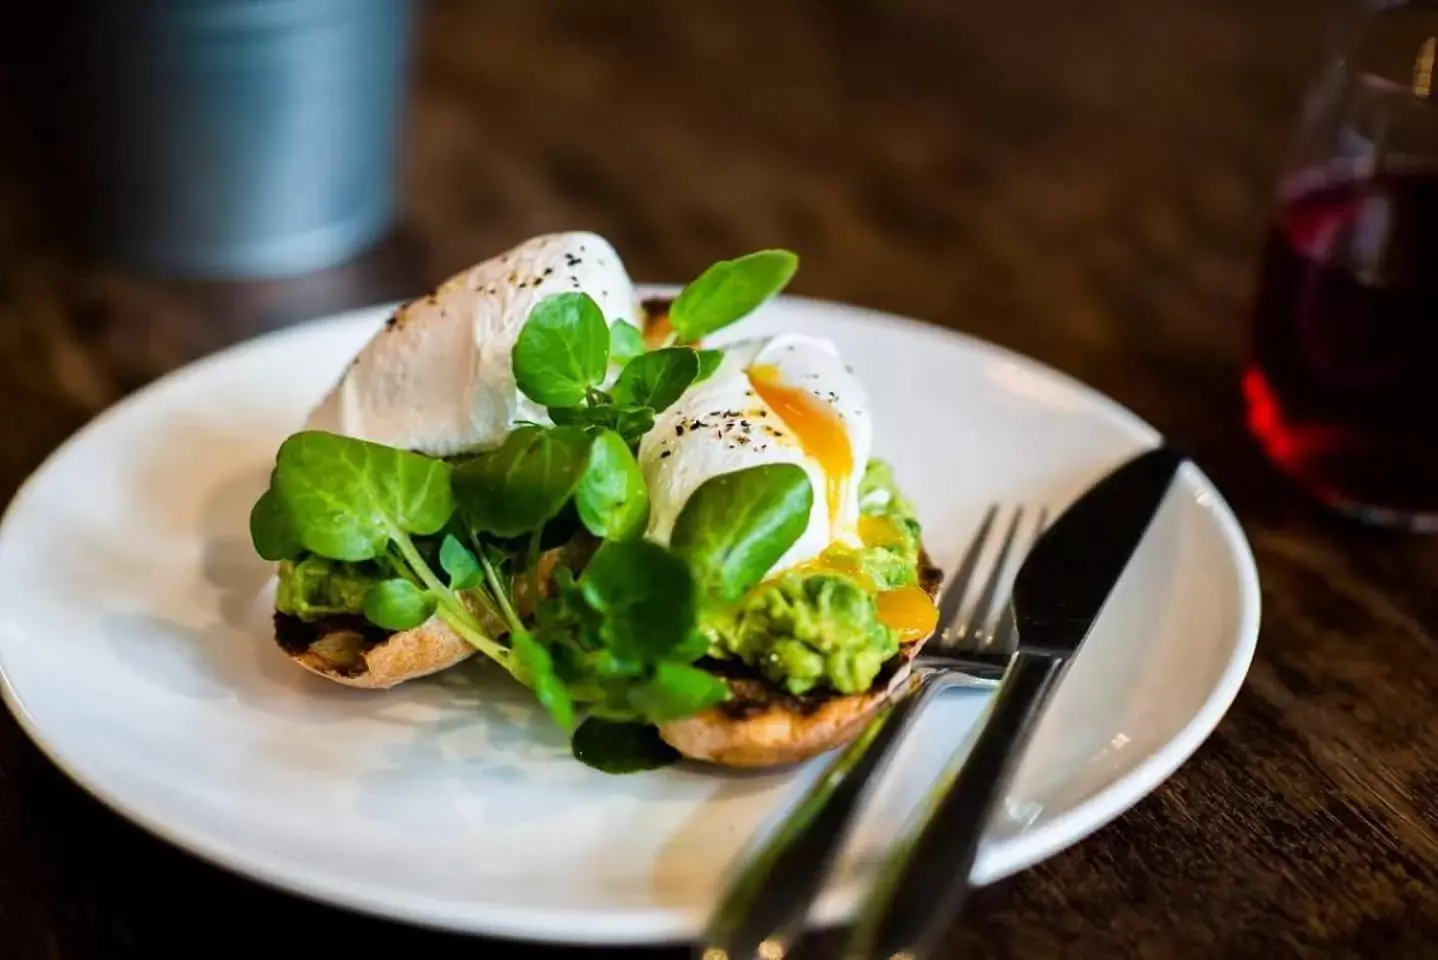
point(352, 651)
point(761, 725)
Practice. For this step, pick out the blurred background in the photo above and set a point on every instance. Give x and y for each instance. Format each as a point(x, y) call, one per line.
point(1050, 176)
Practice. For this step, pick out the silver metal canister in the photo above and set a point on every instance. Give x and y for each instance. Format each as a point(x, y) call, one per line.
point(239, 138)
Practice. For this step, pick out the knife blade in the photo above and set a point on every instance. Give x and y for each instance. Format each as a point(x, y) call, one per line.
point(1058, 594)
point(1071, 571)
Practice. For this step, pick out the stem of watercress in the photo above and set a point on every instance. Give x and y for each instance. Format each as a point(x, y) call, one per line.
point(501, 595)
point(452, 609)
point(532, 564)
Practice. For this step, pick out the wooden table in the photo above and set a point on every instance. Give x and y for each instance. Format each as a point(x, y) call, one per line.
point(1084, 182)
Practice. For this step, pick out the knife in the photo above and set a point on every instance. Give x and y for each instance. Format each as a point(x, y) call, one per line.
point(1058, 593)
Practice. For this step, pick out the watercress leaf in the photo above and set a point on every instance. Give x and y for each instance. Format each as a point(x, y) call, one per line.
point(617, 747)
point(348, 498)
point(565, 416)
point(457, 561)
point(625, 342)
point(597, 416)
point(569, 664)
point(538, 672)
point(709, 361)
point(612, 499)
point(609, 667)
point(644, 596)
point(562, 350)
point(730, 290)
point(656, 379)
point(694, 646)
point(271, 531)
point(633, 423)
point(677, 690)
point(736, 526)
point(516, 488)
point(397, 605)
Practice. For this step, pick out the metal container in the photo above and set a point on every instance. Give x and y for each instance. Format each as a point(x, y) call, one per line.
point(239, 138)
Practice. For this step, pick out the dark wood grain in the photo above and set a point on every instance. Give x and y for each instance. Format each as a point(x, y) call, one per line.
point(1085, 182)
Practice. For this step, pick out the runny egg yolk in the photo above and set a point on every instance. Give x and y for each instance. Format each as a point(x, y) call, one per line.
point(657, 331)
point(878, 531)
point(909, 612)
point(816, 426)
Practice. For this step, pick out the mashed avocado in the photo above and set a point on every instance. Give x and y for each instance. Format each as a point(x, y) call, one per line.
point(315, 587)
point(890, 530)
point(807, 629)
point(821, 627)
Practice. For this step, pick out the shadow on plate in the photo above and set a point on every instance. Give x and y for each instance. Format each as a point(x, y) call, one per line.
point(230, 563)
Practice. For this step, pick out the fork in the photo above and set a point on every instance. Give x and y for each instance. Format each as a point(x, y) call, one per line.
point(764, 906)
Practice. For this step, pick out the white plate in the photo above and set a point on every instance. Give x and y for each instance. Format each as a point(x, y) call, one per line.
point(136, 650)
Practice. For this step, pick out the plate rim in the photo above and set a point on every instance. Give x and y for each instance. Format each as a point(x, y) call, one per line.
point(670, 924)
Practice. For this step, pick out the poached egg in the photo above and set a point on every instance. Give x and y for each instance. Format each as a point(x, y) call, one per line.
point(437, 379)
point(783, 399)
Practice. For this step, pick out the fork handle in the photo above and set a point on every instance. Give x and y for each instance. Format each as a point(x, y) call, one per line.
point(769, 897)
point(924, 881)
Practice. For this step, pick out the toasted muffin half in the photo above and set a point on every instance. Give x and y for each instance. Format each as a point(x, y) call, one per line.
point(761, 725)
point(352, 651)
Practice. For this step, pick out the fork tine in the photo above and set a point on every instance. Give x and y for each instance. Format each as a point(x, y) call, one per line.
point(952, 600)
point(978, 637)
point(1005, 638)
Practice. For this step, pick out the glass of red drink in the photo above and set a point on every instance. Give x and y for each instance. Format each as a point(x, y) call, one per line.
point(1341, 380)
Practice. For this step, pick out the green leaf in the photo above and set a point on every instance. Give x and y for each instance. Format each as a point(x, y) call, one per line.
point(397, 605)
point(348, 498)
point(612, 499)
point(633, 423)
point(538, 672)
point(606, 665)
point(709, 361)
point(457, 561)
point(736, 526)
point(599, 416)
point(656, 379)
point(562, 350)
point(271, 531)
point(694, 646)
point(677, 690)
point(645, 596)
point(625, 342)
point(616, 747)
point(730, 290)
point(515, 489)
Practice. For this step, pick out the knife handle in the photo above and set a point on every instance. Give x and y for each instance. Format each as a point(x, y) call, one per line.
point(924, 881)
point(765, 905)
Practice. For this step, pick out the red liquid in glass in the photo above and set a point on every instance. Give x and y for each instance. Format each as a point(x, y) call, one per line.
point(1342, 379)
